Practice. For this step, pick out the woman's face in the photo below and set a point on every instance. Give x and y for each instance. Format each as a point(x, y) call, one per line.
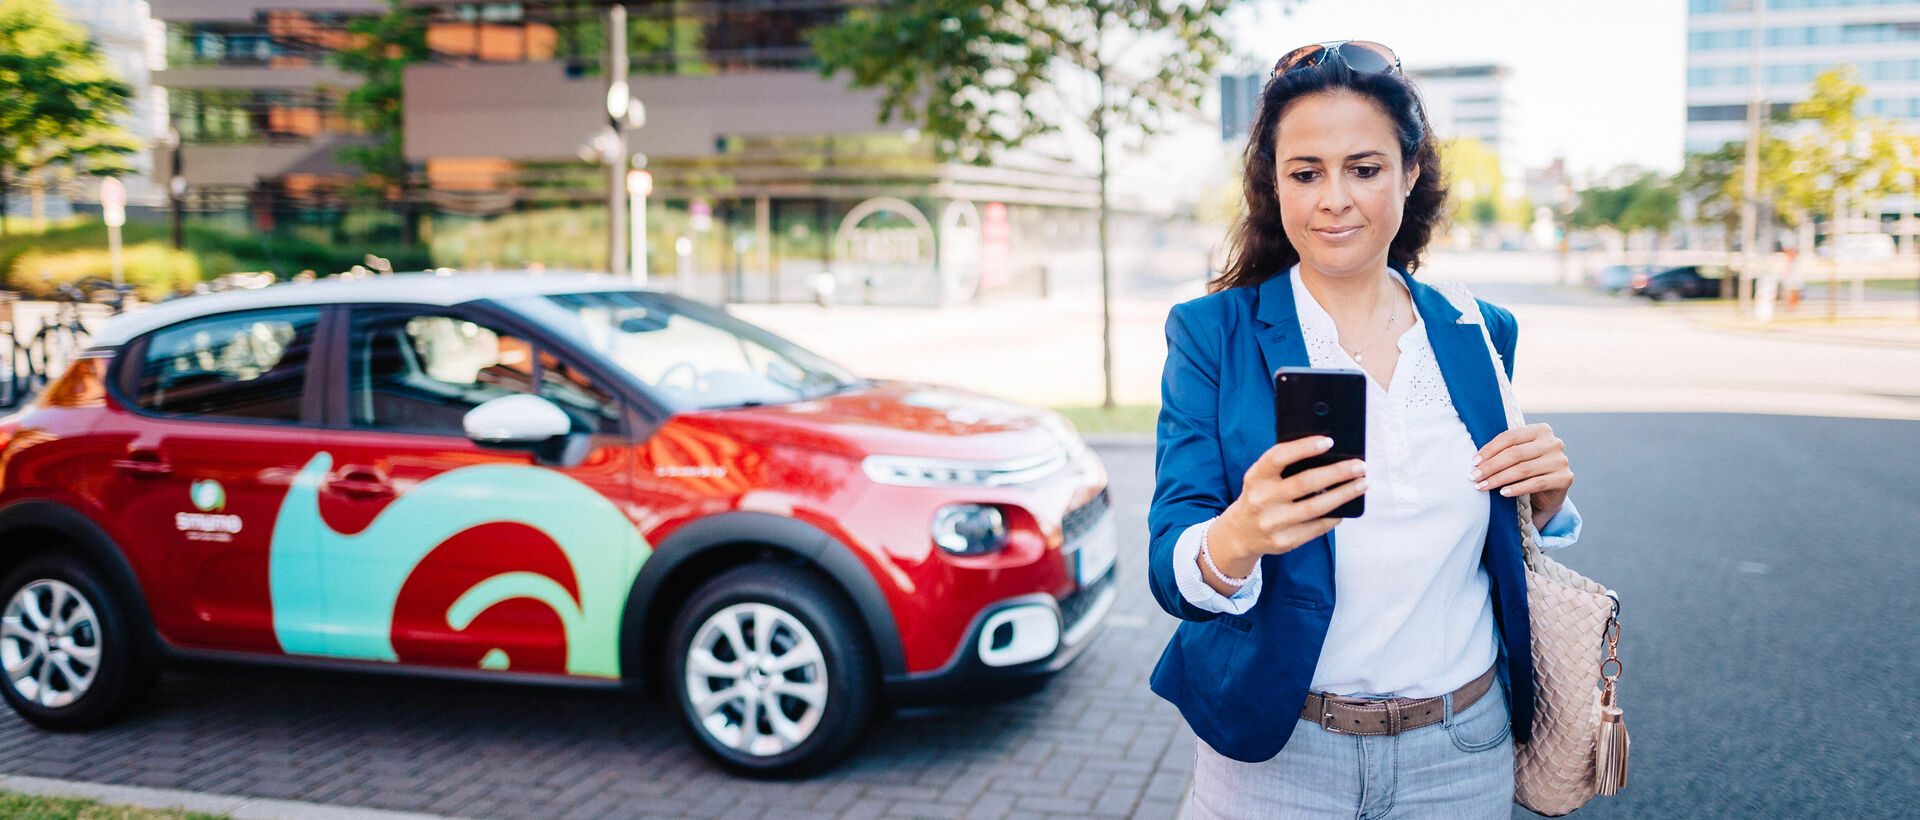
point(1341, 184)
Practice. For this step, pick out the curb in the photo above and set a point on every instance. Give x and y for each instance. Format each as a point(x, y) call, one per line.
point(244, 808)
point(1118, 439)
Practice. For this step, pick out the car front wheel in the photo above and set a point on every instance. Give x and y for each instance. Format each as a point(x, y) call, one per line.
point(770, 671)
point(67, 650)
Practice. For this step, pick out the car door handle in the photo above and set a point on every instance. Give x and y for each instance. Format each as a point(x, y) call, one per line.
point(361, 485)
point(142, 464)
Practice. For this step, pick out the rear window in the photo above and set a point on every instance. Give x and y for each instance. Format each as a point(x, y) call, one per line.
point(249, 365)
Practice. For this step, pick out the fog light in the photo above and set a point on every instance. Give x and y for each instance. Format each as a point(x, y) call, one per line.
point(969, 529)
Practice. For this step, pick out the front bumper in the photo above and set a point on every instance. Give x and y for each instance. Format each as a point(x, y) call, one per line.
point(993, 659)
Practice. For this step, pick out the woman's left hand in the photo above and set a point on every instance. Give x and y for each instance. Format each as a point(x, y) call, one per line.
point(1527, 460)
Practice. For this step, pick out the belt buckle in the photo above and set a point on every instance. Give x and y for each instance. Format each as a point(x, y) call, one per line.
point(1326, 712)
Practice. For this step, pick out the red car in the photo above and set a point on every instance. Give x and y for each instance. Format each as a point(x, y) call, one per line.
point(538, 478)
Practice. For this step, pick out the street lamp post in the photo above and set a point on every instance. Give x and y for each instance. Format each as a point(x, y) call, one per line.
point(615, 154)
point(176, 186)
point(1750, 186)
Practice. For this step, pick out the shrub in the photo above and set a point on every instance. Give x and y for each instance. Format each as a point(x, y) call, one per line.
point(154, 269)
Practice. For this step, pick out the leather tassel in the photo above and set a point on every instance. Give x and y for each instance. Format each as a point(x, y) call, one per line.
point(1610, 764)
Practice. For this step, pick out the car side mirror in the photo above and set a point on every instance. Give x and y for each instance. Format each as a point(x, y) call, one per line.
point(517, 419)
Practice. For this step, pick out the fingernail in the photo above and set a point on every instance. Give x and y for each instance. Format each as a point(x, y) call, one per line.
point(1322, 443)
point(1475, 462)
point(1475, 475)
point(1360, 485)
point(1359, 467)
point(1506, 491)
point(1480, 486)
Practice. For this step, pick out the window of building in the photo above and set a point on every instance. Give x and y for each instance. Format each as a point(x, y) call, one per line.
point(241, 366)
point(666, 38)
point(256, 115)
point(278, 39)
point(1730, 38)
point(1718, 75)
point(1903, 108)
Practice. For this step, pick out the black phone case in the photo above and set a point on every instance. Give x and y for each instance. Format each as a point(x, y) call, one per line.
point(1315, 402)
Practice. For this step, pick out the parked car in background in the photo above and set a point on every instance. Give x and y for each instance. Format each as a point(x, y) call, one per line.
point(1684, 282)
point(1617, 278)
point(556, 479)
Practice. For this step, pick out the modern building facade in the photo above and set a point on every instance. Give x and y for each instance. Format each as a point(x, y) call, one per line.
point(1462, 101)
point(762, 171)
point(1799, 40)
point(1475, 102)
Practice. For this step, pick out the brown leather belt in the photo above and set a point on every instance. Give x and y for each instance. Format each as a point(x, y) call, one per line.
point(1356, 716)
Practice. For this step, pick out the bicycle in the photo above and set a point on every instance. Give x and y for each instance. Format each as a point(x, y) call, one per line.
point(57, 343)
point(16, 367)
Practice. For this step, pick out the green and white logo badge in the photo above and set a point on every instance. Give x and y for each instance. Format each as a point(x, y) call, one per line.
point(209, 496)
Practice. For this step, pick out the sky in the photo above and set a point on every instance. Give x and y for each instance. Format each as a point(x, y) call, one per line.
point(1599, 83)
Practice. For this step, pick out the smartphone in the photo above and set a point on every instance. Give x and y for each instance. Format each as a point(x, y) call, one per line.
point(1315, 402)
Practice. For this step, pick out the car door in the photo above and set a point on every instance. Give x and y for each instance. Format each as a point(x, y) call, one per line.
point(211, 422)
point(419, 545)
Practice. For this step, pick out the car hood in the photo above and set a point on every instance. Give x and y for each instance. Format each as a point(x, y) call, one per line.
point(911, 419)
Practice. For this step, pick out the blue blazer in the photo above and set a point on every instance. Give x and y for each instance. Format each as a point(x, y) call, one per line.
point(1241, 680)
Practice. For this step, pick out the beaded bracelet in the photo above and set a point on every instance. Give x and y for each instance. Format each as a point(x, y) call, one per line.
point(1207, 558)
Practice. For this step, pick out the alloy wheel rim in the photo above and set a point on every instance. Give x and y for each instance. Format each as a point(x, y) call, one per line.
point(50, 643)
point(756, 679)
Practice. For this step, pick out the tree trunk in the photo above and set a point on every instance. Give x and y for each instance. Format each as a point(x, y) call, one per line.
point(3, 203)
point(1106, 271)
point(37, 193)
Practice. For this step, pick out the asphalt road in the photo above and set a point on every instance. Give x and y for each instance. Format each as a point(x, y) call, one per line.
point(1767, 566)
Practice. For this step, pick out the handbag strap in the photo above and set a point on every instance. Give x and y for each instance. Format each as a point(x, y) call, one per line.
point(1469, 307)
point(1537, 561)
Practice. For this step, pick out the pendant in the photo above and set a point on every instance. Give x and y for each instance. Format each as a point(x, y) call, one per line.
point(1357, 358)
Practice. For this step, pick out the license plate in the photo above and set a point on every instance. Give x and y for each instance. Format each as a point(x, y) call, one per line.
point(1098, 549)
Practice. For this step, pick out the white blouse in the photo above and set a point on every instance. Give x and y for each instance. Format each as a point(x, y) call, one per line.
point(1413, 610)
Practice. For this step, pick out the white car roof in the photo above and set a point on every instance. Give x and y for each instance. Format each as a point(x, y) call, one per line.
point(404, 288)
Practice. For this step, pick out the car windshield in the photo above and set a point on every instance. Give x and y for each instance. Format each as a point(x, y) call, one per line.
point(691, 355)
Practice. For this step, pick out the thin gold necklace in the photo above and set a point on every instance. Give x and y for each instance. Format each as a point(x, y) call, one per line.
point(1393, 312)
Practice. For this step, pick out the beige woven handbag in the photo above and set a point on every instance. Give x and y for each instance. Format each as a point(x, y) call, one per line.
point(1579, 744)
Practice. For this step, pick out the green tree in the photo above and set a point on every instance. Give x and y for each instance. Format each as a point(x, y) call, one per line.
point(1803, 171)
point(58, 103)
point(1474, 179)
point(967, 74)
point(1635, 200)
point(383, 46)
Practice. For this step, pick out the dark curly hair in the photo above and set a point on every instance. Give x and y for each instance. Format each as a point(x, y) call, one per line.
point(1258, 246)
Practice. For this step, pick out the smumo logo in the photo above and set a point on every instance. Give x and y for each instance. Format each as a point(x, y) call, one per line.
point(208, 496)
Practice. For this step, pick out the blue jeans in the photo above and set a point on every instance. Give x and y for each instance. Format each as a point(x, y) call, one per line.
point(1459, 768)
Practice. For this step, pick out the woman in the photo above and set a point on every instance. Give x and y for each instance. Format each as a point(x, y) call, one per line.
point(1346, 667)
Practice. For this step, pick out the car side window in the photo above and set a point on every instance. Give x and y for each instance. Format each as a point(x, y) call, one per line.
point(250, 365)
point(591, 407)
point(419, 371)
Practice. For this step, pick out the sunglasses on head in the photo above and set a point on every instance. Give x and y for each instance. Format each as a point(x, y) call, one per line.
point(1363, 56)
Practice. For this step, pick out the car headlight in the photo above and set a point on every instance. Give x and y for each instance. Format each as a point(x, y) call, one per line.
point(969, 529)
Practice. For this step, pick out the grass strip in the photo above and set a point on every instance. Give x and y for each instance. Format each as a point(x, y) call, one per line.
point(1125, 419)
point(16, 806)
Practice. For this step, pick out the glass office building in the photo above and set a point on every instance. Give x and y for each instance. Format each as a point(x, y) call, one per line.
point(768, 180)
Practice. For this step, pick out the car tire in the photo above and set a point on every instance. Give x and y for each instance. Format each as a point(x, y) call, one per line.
point(1668, 295)
point(69, 656)
point(779, 636)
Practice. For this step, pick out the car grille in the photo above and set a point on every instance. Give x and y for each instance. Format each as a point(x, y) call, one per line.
point(1080, 519)
point(1076, 606)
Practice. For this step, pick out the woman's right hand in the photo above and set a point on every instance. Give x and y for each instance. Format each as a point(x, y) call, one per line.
point(1275, 515)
